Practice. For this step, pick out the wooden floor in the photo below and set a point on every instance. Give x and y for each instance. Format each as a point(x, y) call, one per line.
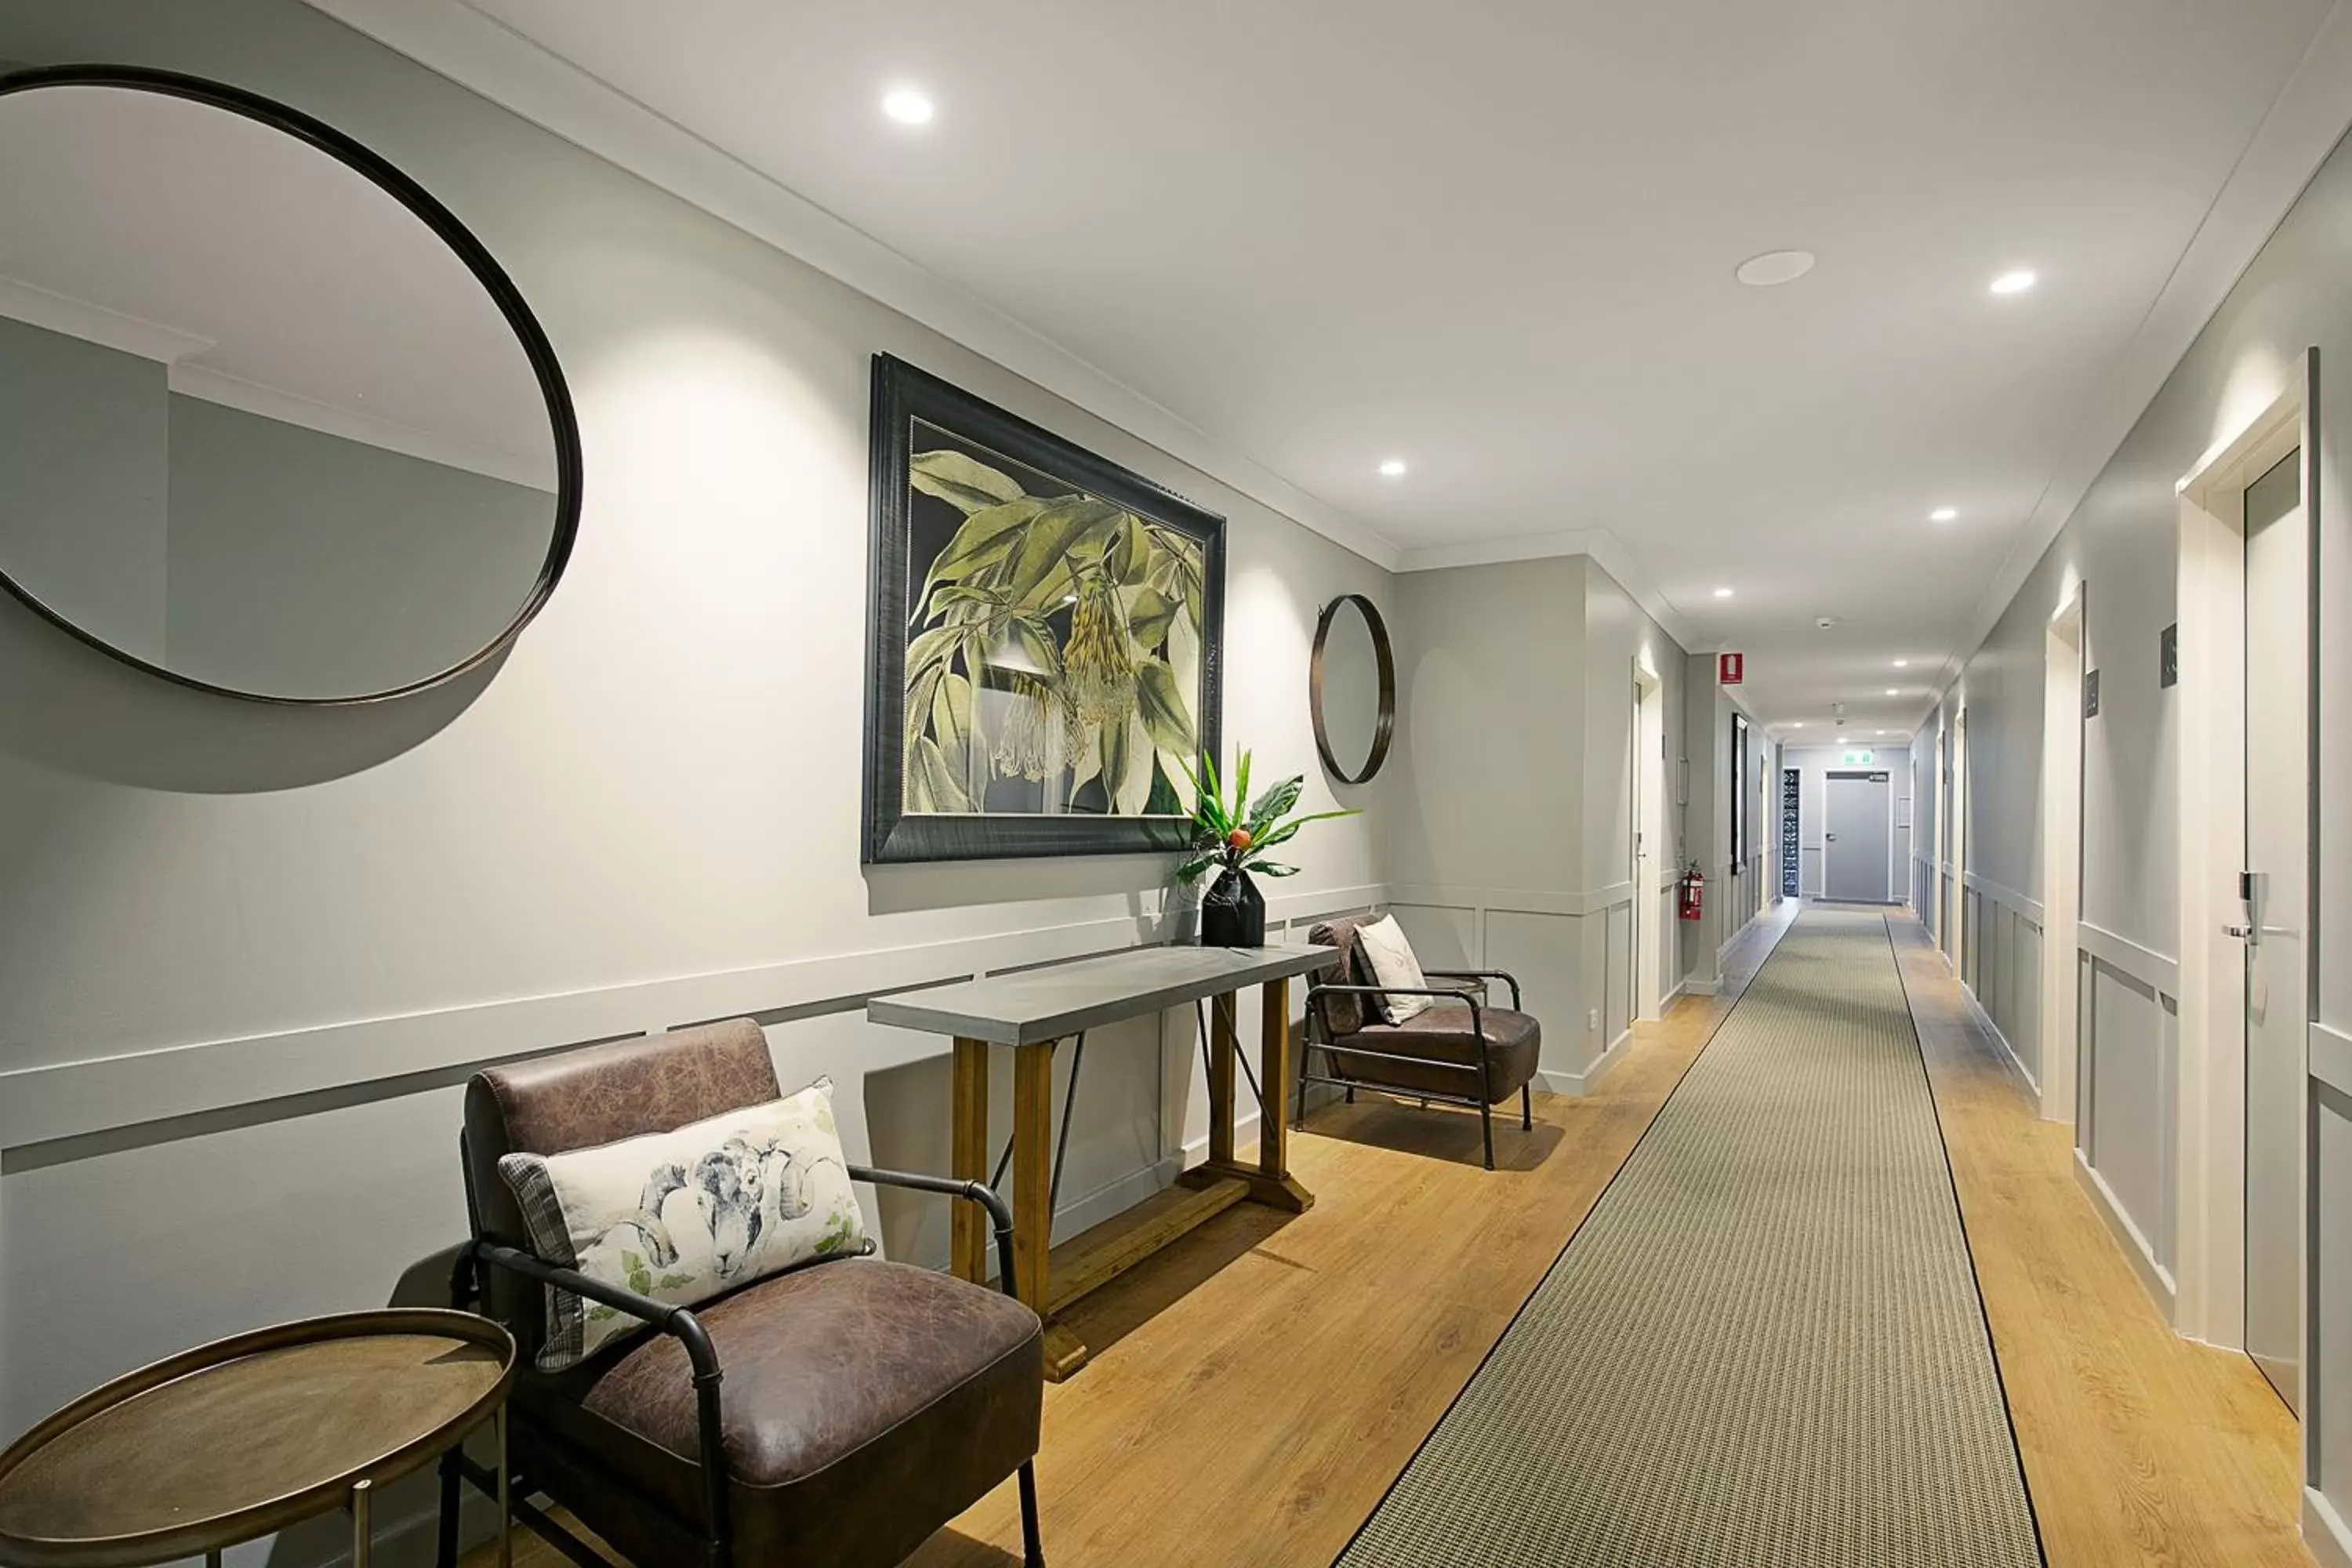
point(2139, 1446)
point(1255, 1388)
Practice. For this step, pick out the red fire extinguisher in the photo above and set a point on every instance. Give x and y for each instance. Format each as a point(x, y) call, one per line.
point(1692, 896)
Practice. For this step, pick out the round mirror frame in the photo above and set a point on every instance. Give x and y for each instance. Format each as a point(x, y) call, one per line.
point(1384, 724)
point(563, 423)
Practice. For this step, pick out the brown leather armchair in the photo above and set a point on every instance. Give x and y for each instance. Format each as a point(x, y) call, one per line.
point(1461, 1051)
point(838, 1413)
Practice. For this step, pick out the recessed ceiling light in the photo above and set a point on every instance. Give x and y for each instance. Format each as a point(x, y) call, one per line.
point(1894, 691)
point(1886, 731)
point(1901, 664)
point(1798, 725)
point(1944, 514)
point(1723, 592)
point(1774, 267)
point(1392, 468)
point(908, 106)
point(2016, 282)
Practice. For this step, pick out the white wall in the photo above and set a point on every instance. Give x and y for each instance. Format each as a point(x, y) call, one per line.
point(246, 955)
point(2121, 544)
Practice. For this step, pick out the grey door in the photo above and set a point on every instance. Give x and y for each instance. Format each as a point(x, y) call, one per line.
point(1857, 830)
point(2277, 856)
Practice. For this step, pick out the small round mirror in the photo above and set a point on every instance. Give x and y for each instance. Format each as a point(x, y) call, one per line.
point(1352, 686)
point(272, 423)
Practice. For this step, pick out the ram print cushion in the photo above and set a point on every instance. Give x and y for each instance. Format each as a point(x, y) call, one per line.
point(685, 1216)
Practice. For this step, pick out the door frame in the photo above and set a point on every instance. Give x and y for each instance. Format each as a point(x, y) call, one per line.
point(1886, 839)
point(2211, 1277)
point(2063, 663)
point(1649, 819)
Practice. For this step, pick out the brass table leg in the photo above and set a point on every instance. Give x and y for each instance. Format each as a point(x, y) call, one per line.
point(362, 1493)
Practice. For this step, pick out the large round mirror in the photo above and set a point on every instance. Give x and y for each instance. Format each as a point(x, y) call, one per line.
point(1352, 686)
point(271, 422)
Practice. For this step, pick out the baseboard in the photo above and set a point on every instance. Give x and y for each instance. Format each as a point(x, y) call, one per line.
point(1197, 1149)
point(1581, 1083)
point(1680, 990)
point(2324, 1531)
point(1117, 1196)
point(2008, 1052)
point(1699, 987)
point(2152, 1274)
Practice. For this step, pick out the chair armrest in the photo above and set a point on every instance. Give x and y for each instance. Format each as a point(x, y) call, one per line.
point(676, 1322)
point(1504, 975)
point(1000, 1212)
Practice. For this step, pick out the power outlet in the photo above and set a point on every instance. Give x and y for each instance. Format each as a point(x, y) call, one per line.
point(1593, 1020)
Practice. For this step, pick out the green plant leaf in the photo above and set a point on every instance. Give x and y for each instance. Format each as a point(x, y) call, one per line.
point(1129, 555)
point(920, 689)
point(1270, 868)
point(1036, 643)
point(1273, 803)
point(1162, 707)
point(1134, 792)
point(1052, 535)
point(1190, 870)
point(987, 537)
point(952, 723)
point(1290, 830)
point(931, 789)
point(960, 481)
point(1207, 809)
point(1241, 791)
point(933, 646)
point(1117, 757)
point(1149, 613)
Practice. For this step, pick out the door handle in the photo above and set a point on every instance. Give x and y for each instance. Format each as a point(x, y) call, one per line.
point(2252, 935)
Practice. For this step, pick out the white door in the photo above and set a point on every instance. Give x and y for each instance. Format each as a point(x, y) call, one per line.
point(1857, 825)
point(2277, 861)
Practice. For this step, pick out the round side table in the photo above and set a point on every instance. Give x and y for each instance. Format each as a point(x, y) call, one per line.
point(240, 1439)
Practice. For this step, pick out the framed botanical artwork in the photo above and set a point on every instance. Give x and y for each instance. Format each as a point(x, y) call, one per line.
point(1045, 630)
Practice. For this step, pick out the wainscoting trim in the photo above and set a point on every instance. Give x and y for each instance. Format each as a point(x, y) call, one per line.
point(386, 1057)
point(2324, 1531)
point(2029, 909)
point(2152, 1274)
point(1511, 900)
point(2331, 1058)
point(2150, 968)
point(1581, 1083)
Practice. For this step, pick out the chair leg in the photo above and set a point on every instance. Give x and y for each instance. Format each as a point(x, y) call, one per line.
point(1033, 1548)
point(1527, 1109)
point(1486, 1130)
point(444, 1552)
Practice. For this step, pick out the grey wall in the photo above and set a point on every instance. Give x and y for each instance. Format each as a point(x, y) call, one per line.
point(246, 955)
point(2121, 543)
point(1507, 846)
point(83, 449)
point(1815, 763)
point(380, 569)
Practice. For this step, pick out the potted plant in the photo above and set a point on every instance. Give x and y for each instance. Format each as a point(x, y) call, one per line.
point(1233, 912)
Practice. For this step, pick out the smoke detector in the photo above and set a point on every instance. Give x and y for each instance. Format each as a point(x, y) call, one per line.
point(1825, 622)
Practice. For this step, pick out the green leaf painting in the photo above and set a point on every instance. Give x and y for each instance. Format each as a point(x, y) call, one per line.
point(1052, 647)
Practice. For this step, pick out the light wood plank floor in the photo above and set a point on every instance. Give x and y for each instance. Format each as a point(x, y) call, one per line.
point(1255, 1388)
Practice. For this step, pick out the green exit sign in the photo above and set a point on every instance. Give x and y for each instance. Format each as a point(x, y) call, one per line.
point(1857, 759)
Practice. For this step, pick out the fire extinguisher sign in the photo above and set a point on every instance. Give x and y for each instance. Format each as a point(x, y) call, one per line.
point(1731, 669)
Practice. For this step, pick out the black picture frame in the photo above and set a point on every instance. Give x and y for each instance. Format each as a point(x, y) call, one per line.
point(563, 423)
point(903, 393)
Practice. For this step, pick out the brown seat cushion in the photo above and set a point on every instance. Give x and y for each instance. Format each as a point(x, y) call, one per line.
point(864, 1404)
point(1436, 1052)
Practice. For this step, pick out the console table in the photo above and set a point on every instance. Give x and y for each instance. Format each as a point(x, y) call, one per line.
point(1033, 1011)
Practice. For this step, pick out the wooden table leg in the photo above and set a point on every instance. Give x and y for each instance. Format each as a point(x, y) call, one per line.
point(1033, 1200)
point(968, 1160)
point(1222, 1048)
point(1275, 1184)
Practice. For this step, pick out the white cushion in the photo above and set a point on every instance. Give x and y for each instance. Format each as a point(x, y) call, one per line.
point(685, 1216)
point(1384, 947)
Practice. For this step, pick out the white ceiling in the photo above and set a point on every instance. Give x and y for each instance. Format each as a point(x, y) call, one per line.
point(1498, 239)
point(266, 275)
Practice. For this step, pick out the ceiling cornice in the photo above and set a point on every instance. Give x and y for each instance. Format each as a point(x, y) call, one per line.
point(2303, 126)
point(480, 53)
point(1598, 543)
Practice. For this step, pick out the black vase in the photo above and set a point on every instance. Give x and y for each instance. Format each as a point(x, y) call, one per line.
point(1232, 913)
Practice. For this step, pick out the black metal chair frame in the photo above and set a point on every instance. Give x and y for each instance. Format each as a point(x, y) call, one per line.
point(572, 1470)
point(1319, 1016)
